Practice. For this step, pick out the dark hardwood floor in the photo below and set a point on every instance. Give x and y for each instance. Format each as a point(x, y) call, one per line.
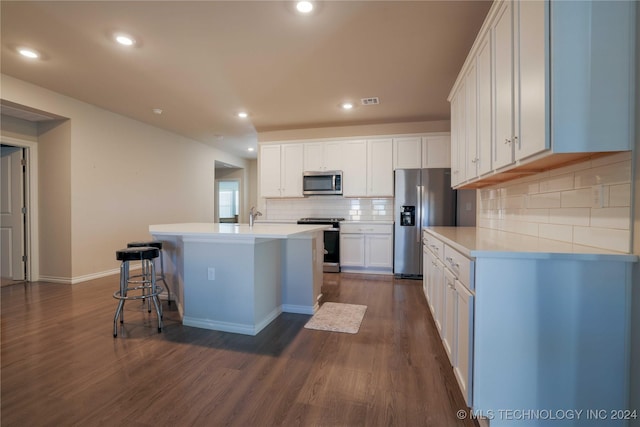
point(61, 365)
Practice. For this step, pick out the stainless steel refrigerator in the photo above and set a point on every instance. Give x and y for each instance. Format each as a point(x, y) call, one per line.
point(423, 197)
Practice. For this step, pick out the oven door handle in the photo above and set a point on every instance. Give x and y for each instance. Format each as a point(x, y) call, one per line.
point(332, 229)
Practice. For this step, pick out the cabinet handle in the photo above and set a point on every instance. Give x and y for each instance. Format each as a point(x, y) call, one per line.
point(434, 247)
point(507, 141)
point(453, 264)
point(451, 286)
point(474, 160)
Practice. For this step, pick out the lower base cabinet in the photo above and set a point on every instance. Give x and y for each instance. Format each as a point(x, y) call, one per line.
point(366, 247)
point(452, 304)
point(534, 331)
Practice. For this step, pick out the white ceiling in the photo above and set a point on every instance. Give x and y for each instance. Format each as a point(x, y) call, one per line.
point(203, 61)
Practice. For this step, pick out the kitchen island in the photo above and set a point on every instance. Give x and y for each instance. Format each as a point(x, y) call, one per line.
point(237, 278)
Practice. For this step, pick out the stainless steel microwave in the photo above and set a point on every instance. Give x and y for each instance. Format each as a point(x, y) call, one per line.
point(323, 182)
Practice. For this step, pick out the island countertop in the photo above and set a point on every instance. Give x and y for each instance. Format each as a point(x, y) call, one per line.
point(212, 230)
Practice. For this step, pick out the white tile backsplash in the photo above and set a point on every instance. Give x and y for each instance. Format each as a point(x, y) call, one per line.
point(380, 209)
point(620, 195)
point(561, 204)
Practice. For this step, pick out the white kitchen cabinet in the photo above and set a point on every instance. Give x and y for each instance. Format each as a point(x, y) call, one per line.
point(426, 270)
point(270, 171)
point(520, 81)
point(323, 156)
point(530, 124)
point(549, 88)
point(449, 316)
point(379, 251)
point(281, 170)
point(458, 137)
point(407, 153)
point(351, 250)
point(449, 281)
point(434, 287)
point(354, 168)
point(436, 151)
point(464, 339)
point(366, 247)
point(380, 168)
point(503, 83)
point(470, 114)
point(484, 103)
point(426, 152)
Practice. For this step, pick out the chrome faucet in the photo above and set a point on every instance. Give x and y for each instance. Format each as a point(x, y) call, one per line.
point(253, 213)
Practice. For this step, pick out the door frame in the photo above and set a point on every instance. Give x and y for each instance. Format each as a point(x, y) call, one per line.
point(32, 246)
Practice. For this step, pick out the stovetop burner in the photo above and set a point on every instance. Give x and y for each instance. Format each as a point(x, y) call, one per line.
point(319, 220)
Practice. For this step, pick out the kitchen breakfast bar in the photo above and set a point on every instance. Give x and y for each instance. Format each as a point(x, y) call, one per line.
point(237, 278)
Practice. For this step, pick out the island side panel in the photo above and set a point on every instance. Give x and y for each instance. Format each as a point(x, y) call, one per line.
point(552, 335)
point(173, 268)
point(227, 302)
point(302, 273)
point(268, 281)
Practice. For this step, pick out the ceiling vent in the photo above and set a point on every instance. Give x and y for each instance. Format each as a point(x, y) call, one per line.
point(370, 101)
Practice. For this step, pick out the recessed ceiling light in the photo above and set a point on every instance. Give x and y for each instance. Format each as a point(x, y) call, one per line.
point(125, 40)
point(157, 111)
point(243, 115)
point(28, 53)
point(347, 106)
point(304, 6)
point(250, 149)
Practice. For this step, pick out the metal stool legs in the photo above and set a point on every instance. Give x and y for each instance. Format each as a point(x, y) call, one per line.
point(148, 287)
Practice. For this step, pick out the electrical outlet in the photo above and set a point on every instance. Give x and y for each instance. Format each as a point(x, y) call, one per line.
point(211, 273)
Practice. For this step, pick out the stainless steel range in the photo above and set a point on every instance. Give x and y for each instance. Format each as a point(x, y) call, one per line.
point(331, 242)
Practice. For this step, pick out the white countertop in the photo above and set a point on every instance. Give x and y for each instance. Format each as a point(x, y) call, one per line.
point(483, 242)
point(210, 229)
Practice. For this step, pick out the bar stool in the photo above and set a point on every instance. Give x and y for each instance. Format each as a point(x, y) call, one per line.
point(146, 284)
point(155, 244)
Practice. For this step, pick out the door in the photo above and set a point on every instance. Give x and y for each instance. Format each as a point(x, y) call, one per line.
point(12, 218)
point(408, 239)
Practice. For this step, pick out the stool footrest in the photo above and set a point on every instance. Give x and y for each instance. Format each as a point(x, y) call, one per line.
point(159, 290)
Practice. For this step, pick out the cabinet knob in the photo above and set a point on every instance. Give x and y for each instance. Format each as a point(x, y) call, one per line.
point(474, 160)
point(507, 141)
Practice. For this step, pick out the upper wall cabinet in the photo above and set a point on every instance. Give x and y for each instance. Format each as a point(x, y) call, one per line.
point(380, 168)
point(407, 152)
point(422, 152)
point(322, 156)
point(545, 83)
point(281, 170)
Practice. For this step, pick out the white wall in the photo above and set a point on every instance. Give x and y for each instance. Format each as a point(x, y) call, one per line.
point(123, 175)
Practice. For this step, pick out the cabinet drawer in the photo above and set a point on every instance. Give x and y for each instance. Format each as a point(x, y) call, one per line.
point(461, 266)
point(435, 245)
point(352, 228)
